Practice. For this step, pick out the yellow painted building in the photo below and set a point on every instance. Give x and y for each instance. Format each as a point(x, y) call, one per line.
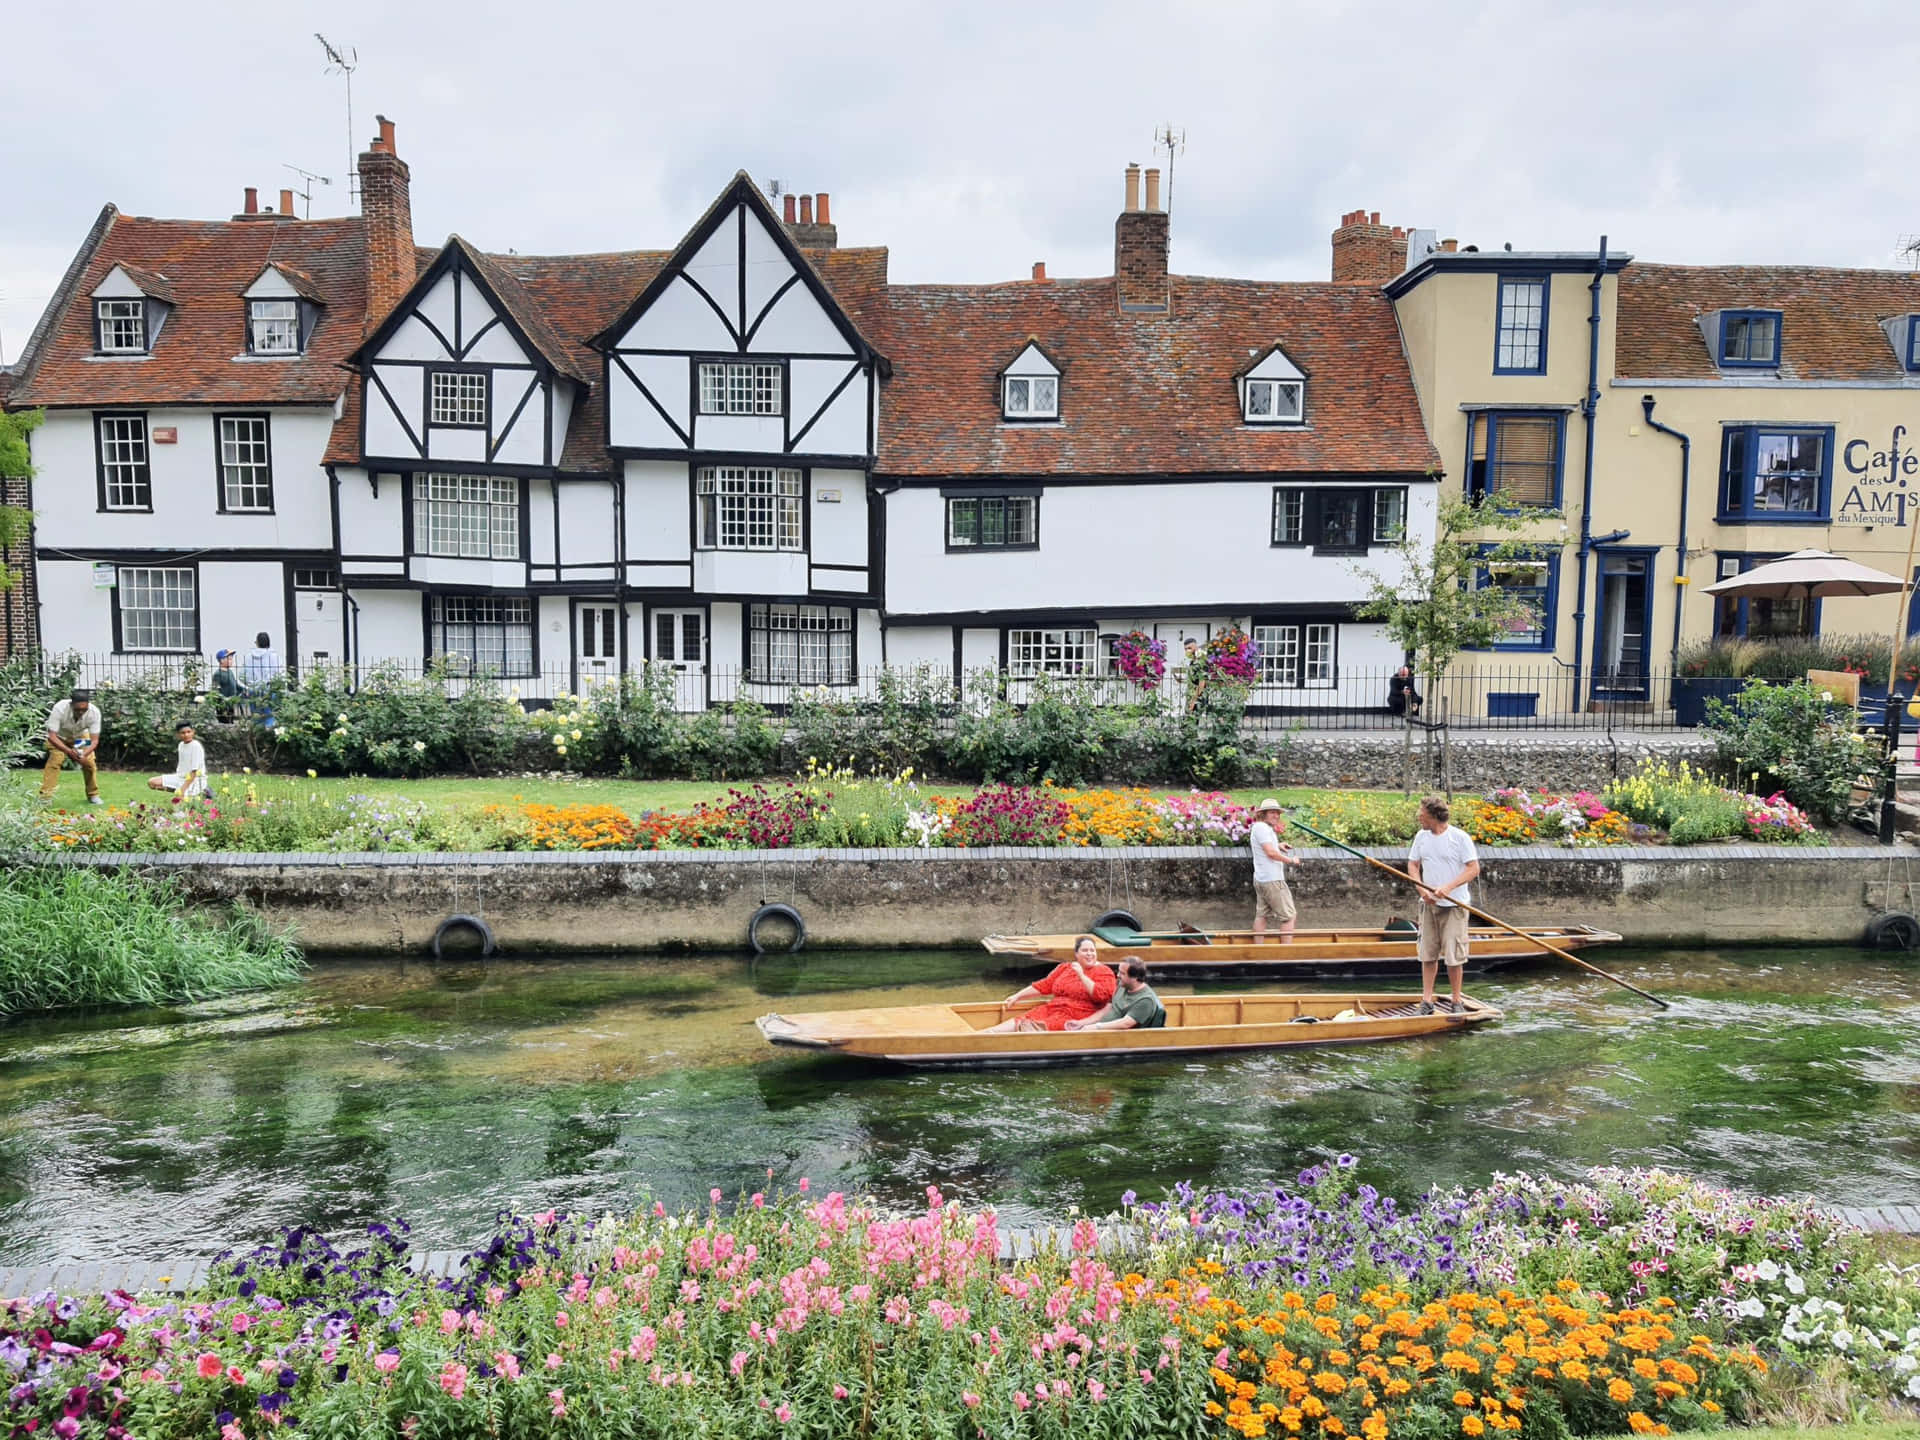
point(1797, 390)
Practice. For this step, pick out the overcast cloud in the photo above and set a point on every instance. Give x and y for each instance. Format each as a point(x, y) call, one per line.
point(974, 139)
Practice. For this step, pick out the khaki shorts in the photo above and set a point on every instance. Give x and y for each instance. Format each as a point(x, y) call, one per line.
point(1272, 900)
point(1443, 934)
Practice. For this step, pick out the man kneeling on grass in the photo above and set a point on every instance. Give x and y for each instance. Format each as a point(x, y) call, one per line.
point(189, 777)
point(1443, 862)
point(1133, 1004)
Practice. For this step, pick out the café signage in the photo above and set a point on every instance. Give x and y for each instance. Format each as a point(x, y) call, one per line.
point(1877, 483)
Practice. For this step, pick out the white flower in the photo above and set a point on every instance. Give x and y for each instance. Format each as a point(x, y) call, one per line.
point(341, 718)
point(313, 775)
point(1766, 1270)
point(561, 750)
point(1795, 1285)
point(1913, 1388)
point(1750, 1307)
point(199, 699)
point(420, 747)
point(1843, 1339)
point(576, 734)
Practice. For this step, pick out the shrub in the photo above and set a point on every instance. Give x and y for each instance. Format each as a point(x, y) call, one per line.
point(1058, 734)
point(138, 714)
point(391, 723)
point(70, 936)
point(727, 742)
point(29, 689)
point(1791, 738)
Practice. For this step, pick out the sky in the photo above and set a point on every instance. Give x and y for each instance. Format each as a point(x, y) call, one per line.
point(974, 140)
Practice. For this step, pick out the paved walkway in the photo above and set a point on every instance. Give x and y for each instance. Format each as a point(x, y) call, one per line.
point(75, 1277)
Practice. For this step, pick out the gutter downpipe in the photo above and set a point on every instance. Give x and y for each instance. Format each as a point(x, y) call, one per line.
point(1588, 407)
point(1680, 574)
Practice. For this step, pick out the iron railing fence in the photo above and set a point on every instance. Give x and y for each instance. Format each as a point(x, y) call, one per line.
point(1540, 697)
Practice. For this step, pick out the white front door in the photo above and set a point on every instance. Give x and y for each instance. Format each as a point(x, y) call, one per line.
point(680, 643)
point(596, 638)
point(317, 610)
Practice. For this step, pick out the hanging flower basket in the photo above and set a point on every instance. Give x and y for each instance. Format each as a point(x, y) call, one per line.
point(1141, 658)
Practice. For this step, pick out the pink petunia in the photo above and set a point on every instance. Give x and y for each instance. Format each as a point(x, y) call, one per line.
point(386, 1362)
point(839, 1392)
point(208, 1365)
point(783, 1412)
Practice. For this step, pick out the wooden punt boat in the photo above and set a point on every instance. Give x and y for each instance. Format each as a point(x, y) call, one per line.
point(1391, 951)
point(954, 1035)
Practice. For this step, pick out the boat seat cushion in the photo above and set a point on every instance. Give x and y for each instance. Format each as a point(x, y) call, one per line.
point(1120, 936)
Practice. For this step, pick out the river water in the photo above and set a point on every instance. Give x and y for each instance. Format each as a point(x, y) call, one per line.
point(443, 1095)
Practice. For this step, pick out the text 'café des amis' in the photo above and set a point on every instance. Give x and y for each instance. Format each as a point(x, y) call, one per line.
point(754, 458)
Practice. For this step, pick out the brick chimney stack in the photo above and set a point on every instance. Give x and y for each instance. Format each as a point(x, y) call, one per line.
point(386, 206)
point(1140, 248)
point(1365, 252)
point(812, 231)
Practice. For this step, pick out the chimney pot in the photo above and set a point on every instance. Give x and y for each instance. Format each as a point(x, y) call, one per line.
point(252, 207)
point(1133, 187)
point(806, 209)
point(788, 201)
point(286, 202)
point(1450, 246)
point(1039, 269)
point(386, 135)
point(1376, 218)
point(1153, 189)
point(820, 209)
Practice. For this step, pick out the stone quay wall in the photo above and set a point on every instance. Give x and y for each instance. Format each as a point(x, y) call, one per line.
point(704, 900)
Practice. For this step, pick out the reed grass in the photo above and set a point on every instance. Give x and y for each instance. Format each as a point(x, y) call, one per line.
point(71, 937)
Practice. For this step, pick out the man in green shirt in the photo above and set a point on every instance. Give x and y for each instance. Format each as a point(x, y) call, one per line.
point(1133, 1004)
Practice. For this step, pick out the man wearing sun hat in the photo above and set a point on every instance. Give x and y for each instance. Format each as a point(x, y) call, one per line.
point(1271, 856)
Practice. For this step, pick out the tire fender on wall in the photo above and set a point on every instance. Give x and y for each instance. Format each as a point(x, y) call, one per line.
point(778, 912)
point(1894, 930)
point(464, 922)
point(1116, 917)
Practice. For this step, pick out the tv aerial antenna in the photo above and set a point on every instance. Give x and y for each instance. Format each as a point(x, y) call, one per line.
point(344, 62)
point(309, 177)
point(1173, 140)
point(1907, 251)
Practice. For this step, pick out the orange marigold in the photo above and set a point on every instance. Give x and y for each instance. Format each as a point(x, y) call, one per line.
point(1619, 1391)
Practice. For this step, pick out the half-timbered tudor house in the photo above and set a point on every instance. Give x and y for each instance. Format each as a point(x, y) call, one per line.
point(750, 458)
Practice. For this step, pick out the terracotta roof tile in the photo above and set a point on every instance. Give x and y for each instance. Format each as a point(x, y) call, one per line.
point(1829, 326)
point(1146, 394)
point(206, 264)
point(156, 286)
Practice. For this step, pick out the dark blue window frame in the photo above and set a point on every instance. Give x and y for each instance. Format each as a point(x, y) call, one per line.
point(1741, 609)
point(1913, 342)
point(1739, 446)
point(1493, 419)
point(1545, 282)
point(1771, 362)
point(1544, 646)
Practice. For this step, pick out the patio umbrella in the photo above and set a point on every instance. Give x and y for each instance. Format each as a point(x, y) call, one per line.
point(1814, 575)
point(1809, 575)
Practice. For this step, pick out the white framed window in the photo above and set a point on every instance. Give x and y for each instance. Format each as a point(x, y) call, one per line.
point(246, 463)
point(1289, 515)
point(733, 387)
point(475, 517)
point(993, 522)
point(316, 579)
point(1520, 343)
point(460, 398)
point(1296, 657)
point(1389, 516)
point(1032, 397)
point(157, 608)
point(125, 478)
point(273, 327)
point(745, 507)
point(800, 644)
point(1053, 652)
point(122, 326)
point(484, 633)
point(1275, 402)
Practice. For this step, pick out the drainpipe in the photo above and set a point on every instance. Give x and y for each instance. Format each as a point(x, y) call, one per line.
point(1588, 407)
point(1680, 575)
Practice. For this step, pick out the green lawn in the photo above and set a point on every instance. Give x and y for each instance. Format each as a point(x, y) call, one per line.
point(123, 787)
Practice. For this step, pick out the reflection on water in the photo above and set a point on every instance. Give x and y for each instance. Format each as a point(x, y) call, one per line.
point(446, 1094)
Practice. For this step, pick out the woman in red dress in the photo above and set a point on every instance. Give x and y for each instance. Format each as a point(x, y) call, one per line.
point(1079, 988)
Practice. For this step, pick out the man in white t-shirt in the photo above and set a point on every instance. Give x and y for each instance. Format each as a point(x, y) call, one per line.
point(73, 733)
point(1271, 856)
point(189, 777)
point(1444, 862)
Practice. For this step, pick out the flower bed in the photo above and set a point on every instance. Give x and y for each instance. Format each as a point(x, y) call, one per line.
point(1635, 1301)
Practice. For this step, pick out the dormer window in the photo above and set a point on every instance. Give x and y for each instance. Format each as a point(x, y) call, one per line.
point(122, 326)
point(1033, 397)
point(273, 327)
point(1273, 391)
point(1750, 338)
point(1912, 353)
point(1274, 400)
point(1030, 386)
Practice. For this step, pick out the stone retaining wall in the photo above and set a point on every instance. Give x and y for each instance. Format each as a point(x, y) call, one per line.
point(669, 900)
point(1478, 760)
